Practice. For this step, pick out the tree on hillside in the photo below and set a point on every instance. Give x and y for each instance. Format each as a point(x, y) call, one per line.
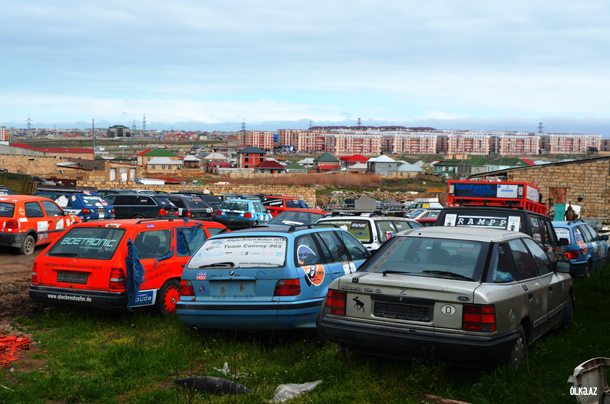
point(592, 150)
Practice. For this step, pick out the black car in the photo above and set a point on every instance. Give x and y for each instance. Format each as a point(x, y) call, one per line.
point(105, 192)
point(127, 206)
point(191, 206)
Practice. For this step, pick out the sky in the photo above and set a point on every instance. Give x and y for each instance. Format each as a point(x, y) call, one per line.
point(503, 65)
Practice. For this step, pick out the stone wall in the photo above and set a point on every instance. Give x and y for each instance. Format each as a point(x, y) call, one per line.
point(589, 178)
point(32, 165)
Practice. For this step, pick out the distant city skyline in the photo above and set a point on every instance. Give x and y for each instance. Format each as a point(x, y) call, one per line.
point(209, 66)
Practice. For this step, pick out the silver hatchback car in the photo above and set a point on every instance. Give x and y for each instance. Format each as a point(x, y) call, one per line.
point(468, 296)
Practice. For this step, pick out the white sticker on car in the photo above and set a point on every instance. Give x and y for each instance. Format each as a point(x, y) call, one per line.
point(42, 226)
point(450, 219)
point(448, 310)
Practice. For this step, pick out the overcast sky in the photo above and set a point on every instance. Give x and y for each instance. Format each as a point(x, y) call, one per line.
point(502, 65)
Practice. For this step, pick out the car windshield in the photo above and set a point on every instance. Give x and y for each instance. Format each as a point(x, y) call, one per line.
point(361, 229)
point(234, 205)
point(95, 201)
point(88, 242)
point(240, 252)
point(6, 191)
point(7, 209)
point(434, 257)
point(295, 218)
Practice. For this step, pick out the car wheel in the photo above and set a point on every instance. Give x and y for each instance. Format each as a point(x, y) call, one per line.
point(517, 353)
point(568, 318)
point(319, 337)
point(27, 248)
point(588, 271)
point(255, 223)
point(167, 297)
point(137, 217)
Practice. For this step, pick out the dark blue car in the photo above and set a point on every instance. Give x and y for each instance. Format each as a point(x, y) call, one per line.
point(87, 205)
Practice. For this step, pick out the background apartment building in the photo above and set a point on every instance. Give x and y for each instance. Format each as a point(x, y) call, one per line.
point(261, 139)
point(410, 143)
point(351, 143)
point(515, 144)
point(569, 143)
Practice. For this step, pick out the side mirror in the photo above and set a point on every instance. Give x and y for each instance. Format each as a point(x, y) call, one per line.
point(563, 267)
point(65, 213)
point(564, 241)
point(605, 237)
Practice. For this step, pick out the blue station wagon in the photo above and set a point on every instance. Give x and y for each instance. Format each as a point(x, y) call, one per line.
point(265, 278)
point(586, 250)
point(237, 213)
point(86, 205)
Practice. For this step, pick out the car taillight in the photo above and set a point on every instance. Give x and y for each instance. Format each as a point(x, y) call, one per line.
point(186, 288)
point(248, 215)
point(86, 211)
point(287, 287)
point(11, 225)
point(188, 213)
point(478, 317)
point(335, 302)
point(572, 255)
point(35, 274)
point(162, 212)
point(112, 211)
point(218, 213)
point(117, 279)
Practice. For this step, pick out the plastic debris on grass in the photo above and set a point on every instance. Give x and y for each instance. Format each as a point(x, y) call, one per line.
point(214, 385)
point(10, 346)
point(287, 391)
point(225, 371)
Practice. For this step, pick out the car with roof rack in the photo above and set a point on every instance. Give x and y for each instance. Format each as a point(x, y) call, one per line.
point(239, 213)
point(191, 206)
point(265, 277)
point(585, 249)
point(277, 204)
point(468, 297)
point(94, 265)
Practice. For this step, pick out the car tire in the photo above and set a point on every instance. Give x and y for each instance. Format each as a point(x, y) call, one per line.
point(255, 223)
point(568, 318)
point(319, 337)
point(137, 217)
point(167, 297)
point(587, 273)
point(27, 248)
point(517, 352)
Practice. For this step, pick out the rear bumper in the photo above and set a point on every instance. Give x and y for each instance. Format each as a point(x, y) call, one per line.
point(81, 299)
point(235, 222)
point(12, 239)
point(400, 343)
point(250, 315)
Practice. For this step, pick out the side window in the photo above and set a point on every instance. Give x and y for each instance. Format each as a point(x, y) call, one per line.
point(63, 200)
point(33, 209)
point(126, 200)
point(536, 231)
point(257, 207)
point(306, 251)
point(177, 201)
point(52, 209)
point(303, 204)
point(333, 245)
point(525, 263)
point(153, 244)
point(144, 201)
point(194, 236)
point(290, 203)
point(592, 233)
point(214, 230)
point(501, 266)
point(579, 238)
point(549, 233)
point(542, 260)
point(354, 247)
point(387, 230)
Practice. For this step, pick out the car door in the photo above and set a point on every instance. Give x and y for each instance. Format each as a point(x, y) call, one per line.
point(37, 220)
point(310, 261)
point(155, 253)
point(55, 218)
point(594, 244)
point(535, 288)
point(124, 205)
point(146, 206)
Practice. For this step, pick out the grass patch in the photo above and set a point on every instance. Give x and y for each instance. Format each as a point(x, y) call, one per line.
point(135, 359)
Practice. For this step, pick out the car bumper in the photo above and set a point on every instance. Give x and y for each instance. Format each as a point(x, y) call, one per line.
point(12, 239)
point(250, 315)
point(84, 299)
point(235, 222)
point(399, 343)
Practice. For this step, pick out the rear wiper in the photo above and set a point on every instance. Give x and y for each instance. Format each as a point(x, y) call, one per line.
point(219, 264)
point(460, 276)
point(63, 254)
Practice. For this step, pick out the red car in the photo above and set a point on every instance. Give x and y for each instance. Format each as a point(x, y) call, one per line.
point(276, 204)
point(427, 221)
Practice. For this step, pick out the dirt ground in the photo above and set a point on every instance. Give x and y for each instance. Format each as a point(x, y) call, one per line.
point(15, 276)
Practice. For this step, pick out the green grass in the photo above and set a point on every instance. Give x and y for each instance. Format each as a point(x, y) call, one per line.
point(135, 359)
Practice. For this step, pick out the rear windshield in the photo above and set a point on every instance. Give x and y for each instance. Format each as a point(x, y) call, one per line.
point(88, 242)
point(7, 209)
point(273, 202)
point(241, 252)
point(361, 229)
point(95, 201)
point(212, 199)
point(231, 205)
point(563, 232)
point(196, 202)
point(492, 220)
point(164, 202)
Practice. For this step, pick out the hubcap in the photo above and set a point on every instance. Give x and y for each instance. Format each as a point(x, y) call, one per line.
point(172, 295)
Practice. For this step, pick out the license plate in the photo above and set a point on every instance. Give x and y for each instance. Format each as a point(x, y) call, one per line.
point(72, 277)
point(233, 214)
point(144, 298)
point(402, 311)
point(232, 290)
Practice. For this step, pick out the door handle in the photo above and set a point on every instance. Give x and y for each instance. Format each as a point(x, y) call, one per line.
point(530, 296)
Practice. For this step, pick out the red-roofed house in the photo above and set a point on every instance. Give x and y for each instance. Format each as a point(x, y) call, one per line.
point(347, 161)
point(270, 167)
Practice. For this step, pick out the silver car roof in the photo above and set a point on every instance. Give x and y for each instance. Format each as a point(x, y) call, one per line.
point(464, 233)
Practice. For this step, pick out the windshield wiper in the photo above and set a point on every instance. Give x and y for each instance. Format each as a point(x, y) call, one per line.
point(219, 264)
point(64, 254)
point(460, 276)
point(389, 271)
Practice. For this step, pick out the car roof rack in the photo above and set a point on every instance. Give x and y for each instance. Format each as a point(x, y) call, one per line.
point(171, 219)
point(310, 226)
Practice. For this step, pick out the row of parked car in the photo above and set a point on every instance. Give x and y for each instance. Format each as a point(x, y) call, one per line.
point(483, 283)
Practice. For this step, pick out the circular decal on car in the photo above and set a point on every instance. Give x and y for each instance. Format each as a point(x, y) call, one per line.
point(580, 242)
point(314, 274)
point(448, 310)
